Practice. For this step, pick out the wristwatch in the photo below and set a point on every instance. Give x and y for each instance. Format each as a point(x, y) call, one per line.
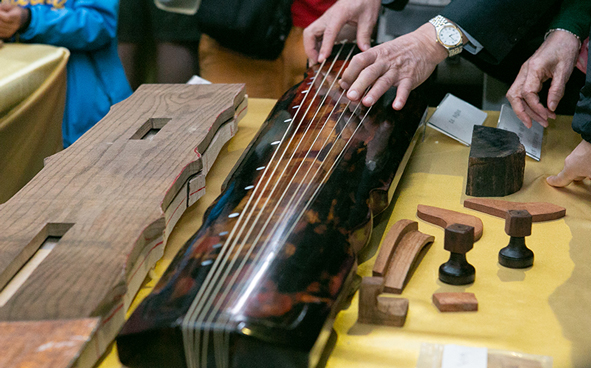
point(448, 35)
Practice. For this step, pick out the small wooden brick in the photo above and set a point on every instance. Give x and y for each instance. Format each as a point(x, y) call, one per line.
point(455, 302)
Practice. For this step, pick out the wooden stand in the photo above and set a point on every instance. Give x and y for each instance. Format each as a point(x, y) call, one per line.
point(379, 309)
point(97, 217)
point(497, 163)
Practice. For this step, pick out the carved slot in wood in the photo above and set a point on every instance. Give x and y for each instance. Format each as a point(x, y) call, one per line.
point(52, 233)
point(150, 128)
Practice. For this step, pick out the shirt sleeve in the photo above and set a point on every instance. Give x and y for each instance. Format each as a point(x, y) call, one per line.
point(574, 16)
point(582, 118)
point(86, 26)
point(498, 25)
point(473, 46)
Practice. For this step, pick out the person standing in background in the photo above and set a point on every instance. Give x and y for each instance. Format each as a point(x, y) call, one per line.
point(147, 33)
point(263, 78)
point(95, 76)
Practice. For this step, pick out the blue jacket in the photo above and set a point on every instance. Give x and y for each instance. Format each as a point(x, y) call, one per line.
point(95, 76)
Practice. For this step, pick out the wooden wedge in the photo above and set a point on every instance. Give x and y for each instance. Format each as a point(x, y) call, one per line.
point(540, 211)
point(443, 218)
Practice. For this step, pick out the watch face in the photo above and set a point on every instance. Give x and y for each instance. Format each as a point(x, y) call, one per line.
point(450, 36)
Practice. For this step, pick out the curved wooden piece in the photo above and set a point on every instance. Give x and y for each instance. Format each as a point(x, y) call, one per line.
point(443, 218)
point(540, 211)
point(403, 259)
point(394, 236)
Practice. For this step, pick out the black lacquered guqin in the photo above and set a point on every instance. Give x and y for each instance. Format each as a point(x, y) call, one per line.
point(262, 279)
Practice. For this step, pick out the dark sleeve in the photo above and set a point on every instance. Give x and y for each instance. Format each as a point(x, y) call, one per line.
point(574, 16)
point(497, 24)
point(582, 117)
point(395, 4)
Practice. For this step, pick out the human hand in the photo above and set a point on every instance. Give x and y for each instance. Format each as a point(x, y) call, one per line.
point(344, 20)
point(12, 17)
point(577, 166)
point(554, 59)
point(405, 62)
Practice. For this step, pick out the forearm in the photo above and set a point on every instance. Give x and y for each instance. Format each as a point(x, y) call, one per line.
point(88, 26)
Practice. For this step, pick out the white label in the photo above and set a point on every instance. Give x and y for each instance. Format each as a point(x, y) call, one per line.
point(456, 118)
point(455, 356)
point(530, 138)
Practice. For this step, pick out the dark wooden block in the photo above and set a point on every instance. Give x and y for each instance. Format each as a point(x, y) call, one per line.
point(496, 164)
point(518, 223)
point(459, 238)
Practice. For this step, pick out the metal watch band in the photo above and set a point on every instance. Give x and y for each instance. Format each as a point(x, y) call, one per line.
point(439, 22)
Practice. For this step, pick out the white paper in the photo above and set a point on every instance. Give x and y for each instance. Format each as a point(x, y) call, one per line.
point(198, 80)
point(456, 118)
point(455, 356)
point(530, 138)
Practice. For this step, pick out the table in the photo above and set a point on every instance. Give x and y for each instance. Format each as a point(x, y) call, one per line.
point(543, 310)
point(32, 97)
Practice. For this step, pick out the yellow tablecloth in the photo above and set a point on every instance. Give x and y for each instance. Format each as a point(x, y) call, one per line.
point(543, 310)
point(32, 96)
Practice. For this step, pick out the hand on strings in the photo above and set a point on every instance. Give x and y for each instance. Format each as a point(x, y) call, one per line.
point(346, 19)
point(554, 59)
point(577, 166)
point(405, 62)
point(12, 17)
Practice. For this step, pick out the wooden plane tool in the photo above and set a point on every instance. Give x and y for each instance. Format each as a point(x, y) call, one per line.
point(378, 309)
point(443, 218)
point(93, 222)
point(539, 211)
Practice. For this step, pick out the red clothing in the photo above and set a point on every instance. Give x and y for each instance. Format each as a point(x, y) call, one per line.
point(304, 12)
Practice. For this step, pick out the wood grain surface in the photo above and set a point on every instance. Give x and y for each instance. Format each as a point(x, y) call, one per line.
point(497, 163)
point(43, 344)
point(540, 211)
point(405, 256)
point(106, 197)
point(443, 218)
point(389, 244)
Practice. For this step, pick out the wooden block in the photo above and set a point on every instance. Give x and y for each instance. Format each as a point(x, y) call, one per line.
point(391, 241)
point(369, 290)
point(107, 199)
point(459, 238)
point(405, 256)
point(539, 211)
point(44, 344)
point(518, 223)
point(379, 309)
point(444, 218)
point(497, 163)
point(455, 302)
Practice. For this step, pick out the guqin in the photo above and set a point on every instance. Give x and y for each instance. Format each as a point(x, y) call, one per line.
point(261, 281)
